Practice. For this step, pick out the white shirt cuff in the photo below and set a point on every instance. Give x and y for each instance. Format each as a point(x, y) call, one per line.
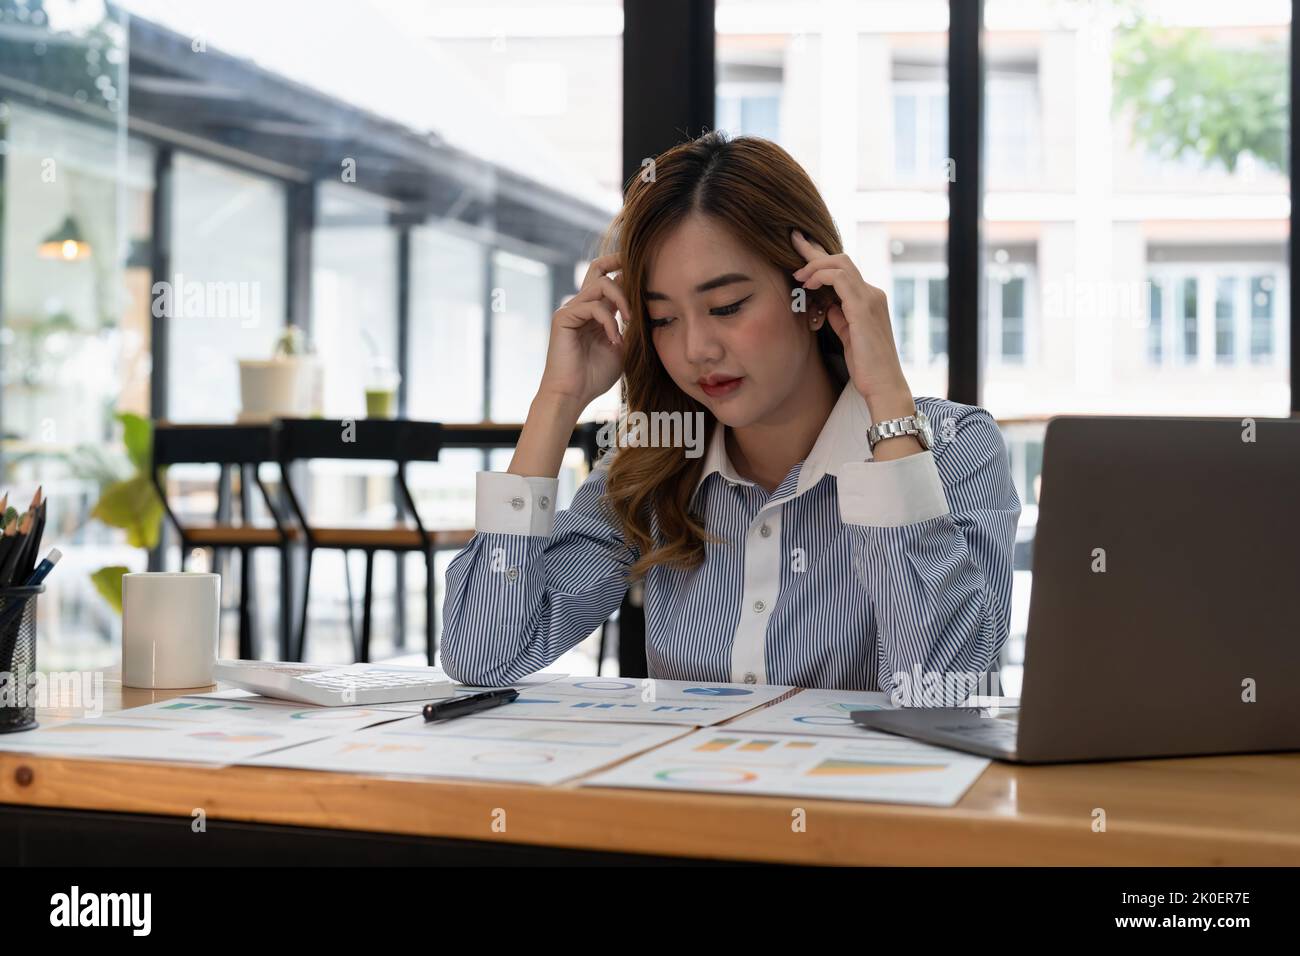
point(889, 494)
point(512, 504)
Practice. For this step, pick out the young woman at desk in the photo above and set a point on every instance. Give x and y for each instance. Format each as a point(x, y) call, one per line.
point(799, 546)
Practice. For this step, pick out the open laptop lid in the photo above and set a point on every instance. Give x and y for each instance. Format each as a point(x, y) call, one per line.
point(1165, 611)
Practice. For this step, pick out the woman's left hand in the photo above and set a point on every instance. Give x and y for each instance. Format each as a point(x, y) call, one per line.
point(860, 319)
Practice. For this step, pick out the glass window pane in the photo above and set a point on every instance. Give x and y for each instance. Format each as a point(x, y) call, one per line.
point(1261, 318)
point(1139, 151)
point(75, 323)
point(1225, 318)
point(903, 310)
point(447, 326)
point(521, 325)
point(228, 249)
point(906, 144)
point(1189, 319)
point(1155, 316)
point(1013, 320)
point(938, 314)
point(354, 299)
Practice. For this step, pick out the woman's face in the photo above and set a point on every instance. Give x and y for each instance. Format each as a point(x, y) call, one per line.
point(721, 320)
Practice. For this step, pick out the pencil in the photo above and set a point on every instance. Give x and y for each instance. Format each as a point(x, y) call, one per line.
point(7, 542)
point(10, 567)
point(34, 548)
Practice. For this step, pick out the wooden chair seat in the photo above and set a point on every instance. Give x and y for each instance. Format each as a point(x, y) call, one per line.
point(235, 536)
point(397, 538)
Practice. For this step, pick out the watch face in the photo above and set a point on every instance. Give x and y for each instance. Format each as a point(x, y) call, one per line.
point(927, 433)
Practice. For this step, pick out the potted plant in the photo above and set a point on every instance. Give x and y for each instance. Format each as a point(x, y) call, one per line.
point(287, 385)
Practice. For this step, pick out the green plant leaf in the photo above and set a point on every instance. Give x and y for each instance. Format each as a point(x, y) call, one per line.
point(1192, 97)
point(134, 506)
point(108, 582)
point(137, 436)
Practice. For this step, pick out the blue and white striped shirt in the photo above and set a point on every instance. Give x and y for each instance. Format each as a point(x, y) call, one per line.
point(850, 573)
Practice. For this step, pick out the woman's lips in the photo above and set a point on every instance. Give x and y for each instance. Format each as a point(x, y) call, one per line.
point(725, 387)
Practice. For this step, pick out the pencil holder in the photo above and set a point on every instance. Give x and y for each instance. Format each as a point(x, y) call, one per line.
point(17, 657)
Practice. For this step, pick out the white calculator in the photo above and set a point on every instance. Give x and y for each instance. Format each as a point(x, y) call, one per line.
point(331, 685)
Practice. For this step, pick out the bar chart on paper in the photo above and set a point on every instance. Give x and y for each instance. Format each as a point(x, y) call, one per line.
point(892, 770)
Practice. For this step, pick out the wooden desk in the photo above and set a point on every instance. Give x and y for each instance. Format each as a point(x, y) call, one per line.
point(1188, 811)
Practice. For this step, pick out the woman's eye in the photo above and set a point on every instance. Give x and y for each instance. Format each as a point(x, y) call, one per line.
point(659, 323)
point(729, 309)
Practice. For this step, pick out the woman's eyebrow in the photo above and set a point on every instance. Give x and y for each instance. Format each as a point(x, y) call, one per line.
point(729, 279)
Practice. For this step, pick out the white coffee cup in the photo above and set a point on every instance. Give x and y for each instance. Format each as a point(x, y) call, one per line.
point(170, 625)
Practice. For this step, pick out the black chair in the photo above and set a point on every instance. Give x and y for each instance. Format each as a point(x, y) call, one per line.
point(230, 447)
point(398, 441)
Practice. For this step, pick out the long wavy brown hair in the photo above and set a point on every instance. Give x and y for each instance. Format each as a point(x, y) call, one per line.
point(754, 188)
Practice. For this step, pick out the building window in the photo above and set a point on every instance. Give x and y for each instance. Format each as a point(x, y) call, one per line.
point(1225, 294)
point(1243, 323)
point(919, 309)
point(1155, 322)
point(1261, 319)
point(1012, 124)
point(938, 314)
point(1007, 328)
point(749, 109)
point(1189, 319)
point(920, 128)
point(904, 314)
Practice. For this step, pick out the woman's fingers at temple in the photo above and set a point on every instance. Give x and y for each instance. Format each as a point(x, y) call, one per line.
point(602, 265)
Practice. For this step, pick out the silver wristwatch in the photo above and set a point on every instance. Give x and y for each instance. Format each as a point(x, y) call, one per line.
point(918, 425)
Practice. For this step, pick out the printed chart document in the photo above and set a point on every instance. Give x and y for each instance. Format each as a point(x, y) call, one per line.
point(824, 713)
point(636, 700)
point(148, 739)
point(193, 729)
point(262, 711)
point(722, 760)
point(519, 751)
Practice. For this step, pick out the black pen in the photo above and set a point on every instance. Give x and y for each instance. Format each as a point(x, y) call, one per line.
point(472, 703)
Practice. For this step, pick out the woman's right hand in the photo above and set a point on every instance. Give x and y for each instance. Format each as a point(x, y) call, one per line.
point(585, 355)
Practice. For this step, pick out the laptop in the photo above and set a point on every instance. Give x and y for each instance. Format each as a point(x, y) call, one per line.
point(1188, 642)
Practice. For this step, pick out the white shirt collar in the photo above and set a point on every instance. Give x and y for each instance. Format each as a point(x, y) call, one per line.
point(843, 439)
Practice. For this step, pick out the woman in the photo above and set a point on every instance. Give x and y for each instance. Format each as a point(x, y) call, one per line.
point(797, 549)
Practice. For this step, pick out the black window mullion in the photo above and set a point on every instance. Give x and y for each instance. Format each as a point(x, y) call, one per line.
point(965, 195)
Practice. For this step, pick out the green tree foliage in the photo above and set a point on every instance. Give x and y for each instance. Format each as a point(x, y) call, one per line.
point(1190, 95)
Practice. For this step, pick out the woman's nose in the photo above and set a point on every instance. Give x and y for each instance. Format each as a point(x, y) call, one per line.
point(702, 343)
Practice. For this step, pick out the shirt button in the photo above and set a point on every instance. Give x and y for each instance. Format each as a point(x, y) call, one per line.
point(517, 503)
point(512, 574)
point(765, 531)
point(751, 678)
point(545, 502)
point(759, 606)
